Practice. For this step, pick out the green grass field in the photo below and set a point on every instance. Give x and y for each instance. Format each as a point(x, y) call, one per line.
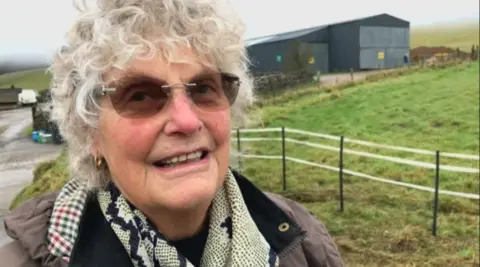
point(30, 79)
point(385, 225)
point(382, 225)
point(462, 36)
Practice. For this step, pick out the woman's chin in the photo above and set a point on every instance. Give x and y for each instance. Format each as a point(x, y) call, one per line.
point(185, 192)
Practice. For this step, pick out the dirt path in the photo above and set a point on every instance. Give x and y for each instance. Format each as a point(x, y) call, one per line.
point(334, 78)
point(18, 157)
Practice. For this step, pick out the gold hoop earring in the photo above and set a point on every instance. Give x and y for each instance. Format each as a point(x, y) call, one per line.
point(98, 162)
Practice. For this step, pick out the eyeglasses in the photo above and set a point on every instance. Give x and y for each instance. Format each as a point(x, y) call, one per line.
point(146, 96)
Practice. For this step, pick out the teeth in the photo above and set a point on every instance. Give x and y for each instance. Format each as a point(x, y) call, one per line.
point(194, 155)
point(183, 158)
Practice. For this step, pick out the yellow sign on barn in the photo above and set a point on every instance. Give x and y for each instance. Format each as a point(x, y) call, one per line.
point(311, 60)
point(381, 55)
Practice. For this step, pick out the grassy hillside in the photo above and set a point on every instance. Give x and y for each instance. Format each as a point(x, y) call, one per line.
point(382, 225)
point(455, 35)
point(48, 176)
point(385, 225)
point(440, 104)
point(30, 79)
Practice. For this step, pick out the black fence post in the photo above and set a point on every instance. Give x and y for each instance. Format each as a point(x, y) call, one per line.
point(283, 160)
point(341, 174)
point(435, 201)
point(239, 151)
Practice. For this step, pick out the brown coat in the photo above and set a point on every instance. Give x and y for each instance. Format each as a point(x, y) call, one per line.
point(28, 225)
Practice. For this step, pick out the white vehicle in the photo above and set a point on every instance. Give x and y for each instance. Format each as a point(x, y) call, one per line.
point(27, 97)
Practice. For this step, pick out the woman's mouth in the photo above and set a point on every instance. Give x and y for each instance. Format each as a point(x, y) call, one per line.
point(181, 159)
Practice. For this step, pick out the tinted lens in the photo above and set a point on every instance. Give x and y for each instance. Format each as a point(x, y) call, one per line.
point(231, 85)
point(146, 97)
point(141, 99)
point(214, 92)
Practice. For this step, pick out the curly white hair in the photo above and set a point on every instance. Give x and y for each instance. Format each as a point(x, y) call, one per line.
point(117, 31)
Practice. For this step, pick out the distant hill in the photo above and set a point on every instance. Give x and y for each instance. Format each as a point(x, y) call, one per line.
point(29, 79)
point(9, 65)
point(461, 35)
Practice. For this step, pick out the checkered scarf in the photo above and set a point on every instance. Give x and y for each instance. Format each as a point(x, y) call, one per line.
point(233, 240)
point(65, 218)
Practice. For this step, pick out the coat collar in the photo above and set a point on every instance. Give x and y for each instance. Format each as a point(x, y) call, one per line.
point(97, 244)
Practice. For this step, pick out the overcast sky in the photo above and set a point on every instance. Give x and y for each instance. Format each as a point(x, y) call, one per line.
point(34, 28)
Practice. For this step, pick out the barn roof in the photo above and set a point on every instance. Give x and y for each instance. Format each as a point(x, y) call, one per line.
point(283, 36)
point(298, 33)
point(10, 91)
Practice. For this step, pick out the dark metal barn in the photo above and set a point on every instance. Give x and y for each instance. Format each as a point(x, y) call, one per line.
point(374, 42)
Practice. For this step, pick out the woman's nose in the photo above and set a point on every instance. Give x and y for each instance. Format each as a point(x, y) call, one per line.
point(182, 117)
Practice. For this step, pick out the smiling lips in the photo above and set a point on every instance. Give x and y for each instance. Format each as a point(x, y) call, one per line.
point(181, 159)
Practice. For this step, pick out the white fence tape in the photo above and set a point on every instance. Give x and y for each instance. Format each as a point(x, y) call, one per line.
point(368, 155)
point(326, 136)
point(259, 130)
point(370, 177)
point(259, 139)
point(398, 148)
point(459, 156)
point(364, 143)
point(260, 156)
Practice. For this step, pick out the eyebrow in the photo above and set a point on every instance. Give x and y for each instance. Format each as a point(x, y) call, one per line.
point(131, 78)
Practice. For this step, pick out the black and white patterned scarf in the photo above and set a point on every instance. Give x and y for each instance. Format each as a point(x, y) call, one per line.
point(233, 239)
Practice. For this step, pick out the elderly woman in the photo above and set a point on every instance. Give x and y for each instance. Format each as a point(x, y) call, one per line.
point(146, 93)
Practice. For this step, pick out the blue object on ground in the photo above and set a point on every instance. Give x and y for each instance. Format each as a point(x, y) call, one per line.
point(35, 136)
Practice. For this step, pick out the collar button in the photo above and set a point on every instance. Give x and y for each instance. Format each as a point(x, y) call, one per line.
point(283, 227)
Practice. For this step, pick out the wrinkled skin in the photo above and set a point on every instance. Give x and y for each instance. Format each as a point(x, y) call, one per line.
point(131, 145)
